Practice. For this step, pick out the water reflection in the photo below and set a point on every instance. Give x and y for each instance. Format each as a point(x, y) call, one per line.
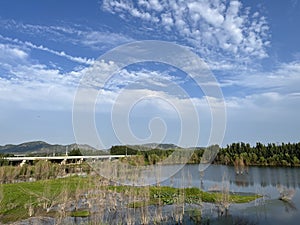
point(290, 206)
point(262, 176)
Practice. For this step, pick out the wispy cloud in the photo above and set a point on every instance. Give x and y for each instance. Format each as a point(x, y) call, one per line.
point(142, 78)
point(216, 29)
point(98, 39)
point(284, 79)
point(43, 48)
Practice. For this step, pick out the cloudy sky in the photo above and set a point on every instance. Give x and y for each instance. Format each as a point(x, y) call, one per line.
point(47, 48)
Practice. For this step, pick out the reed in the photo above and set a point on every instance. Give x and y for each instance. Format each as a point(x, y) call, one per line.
point(286, 194)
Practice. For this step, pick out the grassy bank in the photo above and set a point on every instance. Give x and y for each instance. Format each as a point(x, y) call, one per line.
point(18, 199)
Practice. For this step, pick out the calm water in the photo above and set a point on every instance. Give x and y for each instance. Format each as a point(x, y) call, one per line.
point(264, 181)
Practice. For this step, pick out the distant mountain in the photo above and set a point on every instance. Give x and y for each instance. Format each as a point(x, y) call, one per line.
point(162, 146)
point(149, 146)
point(41, 147)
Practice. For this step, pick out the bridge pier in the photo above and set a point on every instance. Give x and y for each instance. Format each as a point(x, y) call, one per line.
point(23, 162)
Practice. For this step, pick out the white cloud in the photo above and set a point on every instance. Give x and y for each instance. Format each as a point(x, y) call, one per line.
point(265, 105)
point(8, 51)
point(132, 82)
point(167, 20)
point(202, 9)
point(266, 108)
point(212, 27)
point(28, 85)
point(96, 39)
point(284, 79)
point(22, 94)
point(154, 4)
point(32, 85)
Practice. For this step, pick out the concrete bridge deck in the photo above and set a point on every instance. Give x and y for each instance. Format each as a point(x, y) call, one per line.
point(21, 160)
point(33, 158)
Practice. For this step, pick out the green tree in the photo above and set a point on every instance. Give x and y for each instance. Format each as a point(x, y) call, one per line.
point(75, 152)
point(296, 161)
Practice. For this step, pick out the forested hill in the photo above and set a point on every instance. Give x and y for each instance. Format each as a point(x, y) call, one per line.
point(40, 147)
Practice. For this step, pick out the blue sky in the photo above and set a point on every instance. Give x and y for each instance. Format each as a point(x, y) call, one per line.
point(251, 47)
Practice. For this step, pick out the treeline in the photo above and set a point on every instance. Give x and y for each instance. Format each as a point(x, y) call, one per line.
point(151, 156)
point(3, 161)
point(236, 153)
point(261, 155)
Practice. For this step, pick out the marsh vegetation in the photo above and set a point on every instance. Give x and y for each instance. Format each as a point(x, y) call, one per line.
point(84, 194)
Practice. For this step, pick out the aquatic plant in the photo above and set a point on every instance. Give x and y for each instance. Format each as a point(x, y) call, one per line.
point(286, 194)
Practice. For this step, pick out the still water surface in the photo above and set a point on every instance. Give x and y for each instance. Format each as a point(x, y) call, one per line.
point(261, 180)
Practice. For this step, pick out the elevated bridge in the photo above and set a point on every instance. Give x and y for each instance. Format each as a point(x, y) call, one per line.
point(60, 159)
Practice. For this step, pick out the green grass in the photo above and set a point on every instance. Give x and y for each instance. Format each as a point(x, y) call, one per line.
point(83, 213)
point(168, 195)
point(18, 197)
